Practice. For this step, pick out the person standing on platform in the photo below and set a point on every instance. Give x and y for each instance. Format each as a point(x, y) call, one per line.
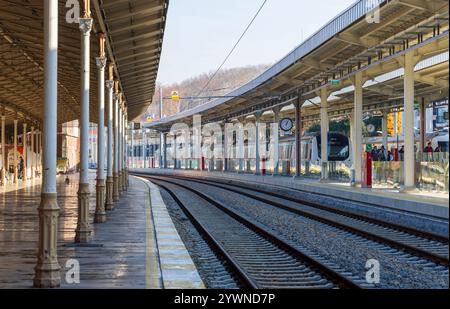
point(401, 152)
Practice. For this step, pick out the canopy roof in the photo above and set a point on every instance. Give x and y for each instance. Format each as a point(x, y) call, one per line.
point(344, 46)
point(134, 30)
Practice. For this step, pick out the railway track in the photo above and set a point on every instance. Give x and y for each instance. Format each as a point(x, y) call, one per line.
point(429, 246)
point(257, 257)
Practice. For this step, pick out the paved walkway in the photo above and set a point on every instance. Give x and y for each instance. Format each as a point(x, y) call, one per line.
point(123, 252)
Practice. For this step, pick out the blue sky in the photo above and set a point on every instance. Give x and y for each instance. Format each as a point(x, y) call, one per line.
point(200, 33)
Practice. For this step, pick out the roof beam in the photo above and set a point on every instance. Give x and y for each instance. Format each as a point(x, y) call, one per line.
point(137, 37)
point(144, 23)
point(417, 4)
point(430, 80)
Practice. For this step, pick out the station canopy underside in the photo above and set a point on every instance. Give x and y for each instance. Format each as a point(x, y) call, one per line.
point(134, 31)
point(333, 55)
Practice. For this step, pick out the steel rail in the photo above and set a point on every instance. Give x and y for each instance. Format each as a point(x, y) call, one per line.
point(366, 234)
point(331, 274)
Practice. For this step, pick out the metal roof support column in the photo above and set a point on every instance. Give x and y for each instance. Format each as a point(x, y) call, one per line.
point(143, 141)
point(15, 150)
point(385, 131)
point(116, 142)
point(47, 270)
point(422, 117)
point(161, 143)
point(240, 144)
point(83, 230)
point(100, 213)
point(123, 150)
point(39, 152)
point(258, 115)
point(119, 145)
point(276, 140)
point(324, 125)
point(3, 170)
point(298, 138)
point(225, 143)
point(127, 163)
point(24, 153)
point(32, 152)
point(109, 203)
point(197, 140)
point(132, 145)
point(212, 158)
point(358, 81)
point(409, 61)
point(175, 152)
point(165, 150)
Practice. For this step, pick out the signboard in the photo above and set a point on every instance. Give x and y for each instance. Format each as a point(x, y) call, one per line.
point(394, 123)
point(399, 123)
point(175, 96)
point(335, 82)
point(136, 126)
point(390, 124)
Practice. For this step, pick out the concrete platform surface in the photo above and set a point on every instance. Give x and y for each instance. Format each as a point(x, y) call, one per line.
point(124, 251)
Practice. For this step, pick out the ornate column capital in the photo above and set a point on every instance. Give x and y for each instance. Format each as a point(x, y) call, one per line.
point(109, 84)
point(100, 62)
point(85, 25)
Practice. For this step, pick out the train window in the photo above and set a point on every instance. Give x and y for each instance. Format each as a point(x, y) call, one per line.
point(444, 146)
point(338, 147)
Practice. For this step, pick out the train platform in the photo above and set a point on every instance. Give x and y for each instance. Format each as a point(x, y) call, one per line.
point(423, 210)
point(137, 247)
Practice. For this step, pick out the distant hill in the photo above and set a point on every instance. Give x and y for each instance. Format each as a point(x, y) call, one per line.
point(224, 82)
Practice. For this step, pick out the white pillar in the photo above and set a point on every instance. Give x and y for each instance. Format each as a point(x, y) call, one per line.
point(100, 213)
point(408, 116)
point(298, 138)
point(15, 150)
point(165, 150)
point(32, 153)
point(125, 138)
point(24, 152)
point(47, 270)
point(41, 151)
point(225, 144)
point(276, 140)
point(38, 151)
point(4, 166)
point(357, 128)
point(161, 142)
point(324, 132)
point(257, 137)
point(132, 145)
point(83, 230)
point(143, 163)
point(385, 132)
point(123, 146)
point(116, 144)
point(109, 203)
point(240, 146)
point(119, 147)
